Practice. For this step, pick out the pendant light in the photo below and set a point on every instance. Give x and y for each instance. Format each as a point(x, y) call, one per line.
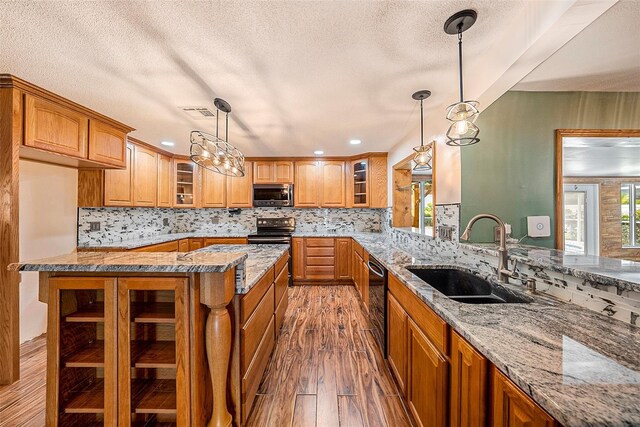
point(214, 153)
point(463, 114)
point(423, 155)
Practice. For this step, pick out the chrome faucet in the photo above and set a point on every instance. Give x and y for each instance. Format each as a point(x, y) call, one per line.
point(503, 268)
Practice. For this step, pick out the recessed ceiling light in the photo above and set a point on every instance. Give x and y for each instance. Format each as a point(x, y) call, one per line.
point(355, 142)
point(318, 152)
point(168, 143)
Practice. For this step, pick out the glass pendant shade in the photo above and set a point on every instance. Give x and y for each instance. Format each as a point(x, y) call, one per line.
point(211, 152)
point(423, 157)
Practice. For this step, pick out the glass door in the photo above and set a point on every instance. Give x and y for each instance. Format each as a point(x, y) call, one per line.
point(360, 183)
point(581, 219)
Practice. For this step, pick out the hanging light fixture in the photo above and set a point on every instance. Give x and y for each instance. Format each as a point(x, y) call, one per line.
point(214, 153)
point(463, 114)
point(422, 158)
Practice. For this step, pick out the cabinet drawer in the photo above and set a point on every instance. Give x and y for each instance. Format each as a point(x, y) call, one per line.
point(251, 380)
point(161, 247)
point(208, 241)
point(250, 301)
point(253, 330)
point(281, 283)
point(319, 242)
point(280, 310)
point(430, 323)
point(319, 272)
point(321, 251)
point(316, 260)
point(281, 263)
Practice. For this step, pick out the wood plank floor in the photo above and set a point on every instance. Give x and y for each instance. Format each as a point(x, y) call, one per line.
point(327, 369)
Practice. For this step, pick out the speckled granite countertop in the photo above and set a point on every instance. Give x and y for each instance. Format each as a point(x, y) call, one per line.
point(137, 262)
point(582, 367)
point(157, 239)
point(259, 260)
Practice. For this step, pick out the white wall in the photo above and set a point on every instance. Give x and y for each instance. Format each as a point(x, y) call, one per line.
point(48, 215)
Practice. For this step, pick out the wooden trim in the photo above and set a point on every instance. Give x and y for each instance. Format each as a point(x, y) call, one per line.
point(10, 81)
point(151, 147)
point(318, 158)
point(559, 176)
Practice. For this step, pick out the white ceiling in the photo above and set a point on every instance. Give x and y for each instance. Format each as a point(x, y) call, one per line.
point(300, 76)
point(605, 56)
point(601, 157)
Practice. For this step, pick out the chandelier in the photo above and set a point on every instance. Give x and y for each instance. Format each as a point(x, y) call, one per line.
point(214, 153)
point(423, 155)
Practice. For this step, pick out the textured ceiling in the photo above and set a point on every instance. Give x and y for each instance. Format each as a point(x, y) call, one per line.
point(300, 76)
point(605, 56)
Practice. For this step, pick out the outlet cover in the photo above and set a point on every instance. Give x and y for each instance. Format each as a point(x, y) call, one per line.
point(445, 232)
point(165, 222)
point(215, 220)
point(94, 226)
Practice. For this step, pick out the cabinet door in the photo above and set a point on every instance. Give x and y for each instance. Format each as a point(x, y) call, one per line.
point(360, 183)
point(283, 172)
point(54, 128)
point(214, 189)
point(333, 186)
point(297, 255)
point(145, 177)
point(397, 341)
point(106, 144)
point(364, 279)
point(186, 185)
point(240, 189)
point(118, 183)
point(468, 404)
point(165, 181)
point(263, 172)
point(183, 245)
point(356, 272)
point(512, 408)
point(343, 258)
point(378, 178)
point(195, 244)
point(307, 184)
point(426, 380)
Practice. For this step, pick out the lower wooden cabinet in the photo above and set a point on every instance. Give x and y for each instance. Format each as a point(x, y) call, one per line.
point(469, 385)
point(160, 247)
point(343, 258)
point(427, 380)
point(397, 322)
point(297, 253)
point(512, 408)
point(195, 244)
point(208, 241)
point(322, 259)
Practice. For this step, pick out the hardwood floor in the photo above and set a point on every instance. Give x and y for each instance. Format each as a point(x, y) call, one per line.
point(23, 402)
point(327, 369)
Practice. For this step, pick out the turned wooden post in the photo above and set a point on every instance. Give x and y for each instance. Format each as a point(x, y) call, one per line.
point(216, 292)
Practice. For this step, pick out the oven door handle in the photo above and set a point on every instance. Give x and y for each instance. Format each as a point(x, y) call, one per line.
point(376, 269)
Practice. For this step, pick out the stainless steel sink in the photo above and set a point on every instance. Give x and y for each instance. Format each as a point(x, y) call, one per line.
point(468, 288)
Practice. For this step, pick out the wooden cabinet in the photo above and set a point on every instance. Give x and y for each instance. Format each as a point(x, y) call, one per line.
point(426, 379)
point(196, 243)
point(160, 247)
point(183, 245)
point(319, 258)
point(367, 183)
point(118, 183)
point(332, 193)
point(360, 183)
point(208, 241)
point(469, 385)
point(378, 179)
point(343, 258)
point(145, 177)
point(397, 323)
point(240, 189)
point(52, 127)
point(106, 144)
point(214, 189)
point(307, 188)
point(165, 181)
point(297, 249)
point(269, 172)
point(185, 175)
point(511, 407)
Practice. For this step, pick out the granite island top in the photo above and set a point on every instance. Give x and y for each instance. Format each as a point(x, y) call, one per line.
point(137, 262)
point(580, 366)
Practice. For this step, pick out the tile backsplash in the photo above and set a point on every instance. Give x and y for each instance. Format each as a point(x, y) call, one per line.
point(118, 224)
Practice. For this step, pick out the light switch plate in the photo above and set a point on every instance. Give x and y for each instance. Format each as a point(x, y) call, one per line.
point(94, 226)
point(538, 226)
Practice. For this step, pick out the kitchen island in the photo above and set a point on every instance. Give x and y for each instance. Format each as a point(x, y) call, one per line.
point(159, 338)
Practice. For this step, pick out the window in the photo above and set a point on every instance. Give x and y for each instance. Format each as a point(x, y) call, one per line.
point(630, 214)
point(422, 206)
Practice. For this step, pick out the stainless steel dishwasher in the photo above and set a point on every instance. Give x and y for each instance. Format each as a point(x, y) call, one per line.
point(378, 302)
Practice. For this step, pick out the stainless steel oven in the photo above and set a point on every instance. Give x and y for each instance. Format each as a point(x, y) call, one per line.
point(275, 195)
point(378, 302)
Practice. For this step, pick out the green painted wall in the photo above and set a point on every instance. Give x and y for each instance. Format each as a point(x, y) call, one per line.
point(511, 172)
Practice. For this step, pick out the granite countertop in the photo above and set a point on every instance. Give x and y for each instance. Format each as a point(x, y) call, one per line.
point(137, 262)
point(580, 366)
point(260, 258)
point(135, 243)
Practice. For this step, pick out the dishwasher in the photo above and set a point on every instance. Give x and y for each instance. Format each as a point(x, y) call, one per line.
point(378, 302)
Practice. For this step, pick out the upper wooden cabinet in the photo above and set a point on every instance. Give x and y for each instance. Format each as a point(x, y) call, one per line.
point(269, 172)
point(106, 144)
point(512, 408)
point(52, 127)
point(165, 181)
point(118, 183)
point(214, 189)
point(186, 185)
point(367, 182)
point(145, 177)
point(240, 189)
point(307, 184)
point(332, 193)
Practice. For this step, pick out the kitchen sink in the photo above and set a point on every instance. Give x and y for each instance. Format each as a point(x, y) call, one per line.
point(467, 288)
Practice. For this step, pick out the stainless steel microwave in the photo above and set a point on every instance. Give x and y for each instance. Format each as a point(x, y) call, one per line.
point(274, 195)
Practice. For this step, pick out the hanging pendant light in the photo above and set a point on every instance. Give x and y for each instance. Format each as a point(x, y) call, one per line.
point(422, 158)
point(214, 153)
point(463, 114)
